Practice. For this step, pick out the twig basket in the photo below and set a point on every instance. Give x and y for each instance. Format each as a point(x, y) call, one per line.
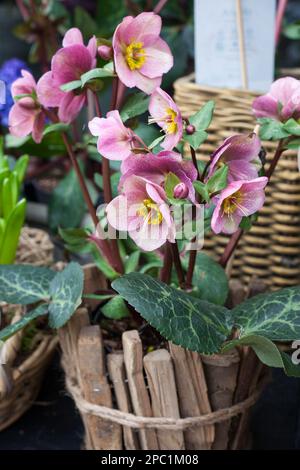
point(271, 249)
point(168, 399)
point(21, 374)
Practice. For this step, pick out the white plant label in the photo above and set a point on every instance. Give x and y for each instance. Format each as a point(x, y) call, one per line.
point(217, 52)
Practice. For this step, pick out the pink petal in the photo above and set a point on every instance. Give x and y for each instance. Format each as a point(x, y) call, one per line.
point(146, 84)
point(70, 63)
point(48, 93)
point(95, 126)
point(159, 59)
point(241, 170)
point(170, 141)
point(92, 48)
point(117, 213)
point(150, 236)
point(24, 85)
point(114, 141)
point(283, 88)
point(119, 34)
point(124, 73)
point(38, 127)
point(21, 120)
point(156, 193)
point(70, 107)
point(140, 26)
point(72, 36)
point(265, 106)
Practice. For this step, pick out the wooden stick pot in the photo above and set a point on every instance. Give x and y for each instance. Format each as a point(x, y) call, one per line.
point(168, 399)
point(22, 369)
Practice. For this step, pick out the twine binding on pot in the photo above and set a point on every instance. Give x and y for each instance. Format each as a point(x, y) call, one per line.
point(141, 422)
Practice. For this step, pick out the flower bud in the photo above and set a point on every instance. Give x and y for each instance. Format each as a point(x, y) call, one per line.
point(181, 191)
point(190, 129)
point(105, 52)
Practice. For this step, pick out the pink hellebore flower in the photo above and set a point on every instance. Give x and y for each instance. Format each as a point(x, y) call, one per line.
point(282, 102)
point(142, 211)
point(240, 199)
point(141, 56)
point(167, 115)
point(155, 168)
point(26, 115)
point(68, 64)
point(115, 141)
point(240, 152)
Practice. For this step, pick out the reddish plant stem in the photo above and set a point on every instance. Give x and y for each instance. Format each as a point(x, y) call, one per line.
point(23, 10)
point(159, 6)
point(165, 272)
point(194, 160)
point(177, 264)
point(190, 271)
point(235, 237)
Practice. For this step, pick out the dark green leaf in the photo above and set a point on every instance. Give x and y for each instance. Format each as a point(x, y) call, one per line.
point(24, 284)
point(218, 181)
point(70, 86)
point(51, 145)
point(210, 280)
point(98, 296)
point(25, 320)
point(292, 127)
point(58, 127)
point(192, 323)
point(102, 265)
point(202, 119)
point(196, 139)
point(275, 315)
point(67, 206)
point(135, 105)
point(170, 182)
point(270, 129)
point(132, 262)
point(201, 189)
point(292, 30)
point(115, 308)
point(66, 292)
point(268, 353)
point(94, 74)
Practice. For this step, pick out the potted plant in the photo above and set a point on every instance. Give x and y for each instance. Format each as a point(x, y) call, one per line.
point(163, 306)
point(21, 364)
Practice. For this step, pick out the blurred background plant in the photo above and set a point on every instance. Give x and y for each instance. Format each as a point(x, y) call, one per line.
point(12, 208)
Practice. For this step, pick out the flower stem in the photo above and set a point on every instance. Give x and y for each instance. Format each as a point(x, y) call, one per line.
point(159, 6)
point(194, 159)
point(165, 272)
point(235, 237)
point(191, 267)
point(177, 264)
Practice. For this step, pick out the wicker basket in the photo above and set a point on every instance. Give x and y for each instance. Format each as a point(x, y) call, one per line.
point(167, 399)
point(271, 249)
point(20, 379)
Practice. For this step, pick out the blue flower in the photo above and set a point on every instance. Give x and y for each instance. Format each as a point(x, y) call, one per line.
point(9, 72)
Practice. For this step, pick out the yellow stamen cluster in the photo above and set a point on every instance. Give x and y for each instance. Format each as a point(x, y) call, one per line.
point(231, 203)
point(135, 55)
point(149, 210)
point(171, 127)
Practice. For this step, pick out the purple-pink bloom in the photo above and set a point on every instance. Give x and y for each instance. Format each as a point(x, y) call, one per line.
point(68, 64)
point(26, 115)
point(282, 102)
point(240, 199)
point(142, 211)
point(155, 168)
point(166, 114)
point(240, 152)
point(141, 57)
point(115, 141)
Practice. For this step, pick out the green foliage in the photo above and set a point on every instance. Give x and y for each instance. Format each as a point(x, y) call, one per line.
point(292, 127)
point(65, 290)
point(218, 180)
point(12, 209)
point(270, 129)
point(51, 145)
point(59, 293)
point(292, 30)
point(24, 284)
point(196, 139)
point(209, 280)
point(135, 105)
point(115, 309)
point(207, 328)
point(67, 206)
point(192, 323)
point(202, 118)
